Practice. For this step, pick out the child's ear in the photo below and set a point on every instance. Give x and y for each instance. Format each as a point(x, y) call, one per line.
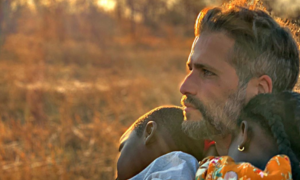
point(149, 132)
point(244, 139)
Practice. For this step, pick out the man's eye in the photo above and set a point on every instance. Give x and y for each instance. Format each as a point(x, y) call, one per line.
point(208, 73)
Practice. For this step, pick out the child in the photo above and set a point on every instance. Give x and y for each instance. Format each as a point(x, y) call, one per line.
point(268, 126)
point(156, 147)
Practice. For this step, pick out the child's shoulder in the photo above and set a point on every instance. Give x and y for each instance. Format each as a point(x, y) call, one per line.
point(171, 156)
point(174, 165)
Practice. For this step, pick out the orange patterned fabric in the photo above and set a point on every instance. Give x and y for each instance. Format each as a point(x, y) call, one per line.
point(224, 168)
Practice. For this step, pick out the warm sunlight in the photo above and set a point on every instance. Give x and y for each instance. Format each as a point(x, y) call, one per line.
point(76, 74)
point(106, 4)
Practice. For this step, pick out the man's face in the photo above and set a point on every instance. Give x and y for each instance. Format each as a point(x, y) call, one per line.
point(211, 93)
point(130, 161)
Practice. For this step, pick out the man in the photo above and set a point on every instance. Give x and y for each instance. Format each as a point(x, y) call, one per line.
point(237, 53)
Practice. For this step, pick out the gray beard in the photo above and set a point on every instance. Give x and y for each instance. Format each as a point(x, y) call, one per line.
point(218, 120)
point(199, 129)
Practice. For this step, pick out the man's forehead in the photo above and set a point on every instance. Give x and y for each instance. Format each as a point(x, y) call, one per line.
point(194, 43)
point(192, 50)
point(212, 45)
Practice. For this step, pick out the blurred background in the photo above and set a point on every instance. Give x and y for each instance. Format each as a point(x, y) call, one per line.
point(74, 74)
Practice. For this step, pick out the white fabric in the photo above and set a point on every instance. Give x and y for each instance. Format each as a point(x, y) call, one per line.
point(175, 165)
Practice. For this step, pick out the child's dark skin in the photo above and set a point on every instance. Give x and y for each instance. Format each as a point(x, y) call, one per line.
point(259, 147)
point(136, 153)
point(269, 125)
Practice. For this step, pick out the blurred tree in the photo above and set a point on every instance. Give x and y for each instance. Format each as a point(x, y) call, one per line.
point(191, 8)
point(157, 13)
point(10, 11)
point(119, 9)
point(132, 4)
point(152, 10)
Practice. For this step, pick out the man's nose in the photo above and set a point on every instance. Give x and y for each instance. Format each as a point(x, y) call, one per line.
point(187, 86)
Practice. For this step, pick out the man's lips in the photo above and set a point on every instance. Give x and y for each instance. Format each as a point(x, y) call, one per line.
point(189, 107)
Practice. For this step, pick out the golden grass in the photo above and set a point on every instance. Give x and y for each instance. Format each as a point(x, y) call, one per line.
point(63, 119)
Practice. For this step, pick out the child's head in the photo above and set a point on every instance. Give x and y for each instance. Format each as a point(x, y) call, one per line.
point(269, 125)
point(156, 133)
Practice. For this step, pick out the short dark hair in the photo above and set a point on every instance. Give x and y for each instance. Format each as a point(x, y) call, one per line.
point(170, 118)
point(262, 46)
point(279, 115)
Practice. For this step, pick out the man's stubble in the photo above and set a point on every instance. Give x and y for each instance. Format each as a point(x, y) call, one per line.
point(218, 119)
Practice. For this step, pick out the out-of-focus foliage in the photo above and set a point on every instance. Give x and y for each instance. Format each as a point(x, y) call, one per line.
point(74, 76)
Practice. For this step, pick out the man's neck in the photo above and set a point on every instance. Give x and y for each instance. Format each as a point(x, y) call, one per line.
point(222, 144)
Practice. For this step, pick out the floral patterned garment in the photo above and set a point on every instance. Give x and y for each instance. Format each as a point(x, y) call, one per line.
point(224, 168)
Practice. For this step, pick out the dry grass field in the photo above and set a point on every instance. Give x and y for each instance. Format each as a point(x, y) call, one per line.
point(63, 121)
point(71, 82)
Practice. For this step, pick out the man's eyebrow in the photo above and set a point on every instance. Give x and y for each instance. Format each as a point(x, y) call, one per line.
point(204, 66)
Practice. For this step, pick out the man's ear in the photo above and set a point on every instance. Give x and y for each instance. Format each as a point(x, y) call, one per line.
point(244, 139)
point(265, 84)
point(150, 132)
